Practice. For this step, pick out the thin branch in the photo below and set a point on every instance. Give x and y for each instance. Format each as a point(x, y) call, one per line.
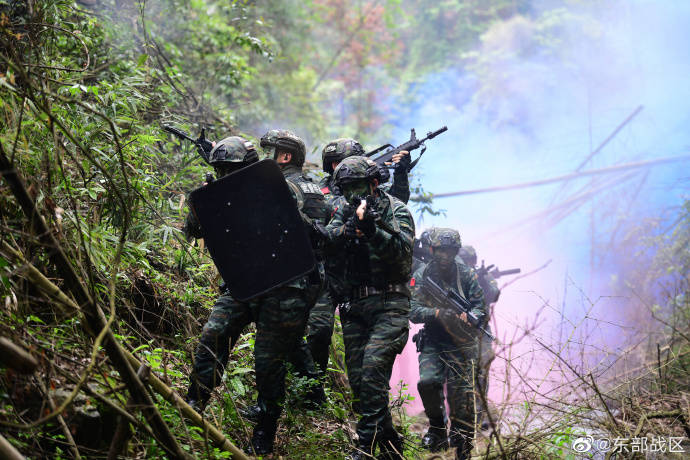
point(565, 177)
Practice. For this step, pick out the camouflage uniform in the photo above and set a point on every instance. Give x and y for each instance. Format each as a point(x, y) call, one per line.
point(322, 316)
point(375, 324)
point(442, 360)
point(491, 292)
point(318, 210)
point(280, 316)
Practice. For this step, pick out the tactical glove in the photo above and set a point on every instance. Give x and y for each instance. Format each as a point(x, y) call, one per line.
point(403, 166)
point(351, 227)
point(368, 224)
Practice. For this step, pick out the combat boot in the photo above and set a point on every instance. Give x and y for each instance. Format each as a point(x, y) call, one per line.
point(251, 413)
point(436, 438)
point(361, 452)
point(315, 397)
point(197, 397)
point(464, 452)
point(263, 436)
point(391, 448)
point(462, 439)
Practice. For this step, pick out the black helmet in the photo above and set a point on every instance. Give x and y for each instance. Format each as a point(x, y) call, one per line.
point(281, 140)
point(356, 168)
point(338, 150)
point(233, 150)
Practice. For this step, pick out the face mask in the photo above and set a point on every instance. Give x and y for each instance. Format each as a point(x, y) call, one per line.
point(445, 256)
point(355, 190)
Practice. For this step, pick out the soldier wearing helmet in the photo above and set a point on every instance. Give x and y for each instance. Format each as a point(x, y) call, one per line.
point(442, 360)
point(288, 150)
point(486, 352)
point(322, 318)
point(231, 154)
point(337, 150)
point(373, 232)
point(280, 317)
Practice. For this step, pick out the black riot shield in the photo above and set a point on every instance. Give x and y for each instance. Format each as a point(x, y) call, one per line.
point(253, 230)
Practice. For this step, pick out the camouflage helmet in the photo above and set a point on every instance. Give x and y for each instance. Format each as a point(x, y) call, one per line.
point(282, 140)
point(356, 168)
point(233, 149)
point(468, 255)
point(338, 150)
point(444, 237)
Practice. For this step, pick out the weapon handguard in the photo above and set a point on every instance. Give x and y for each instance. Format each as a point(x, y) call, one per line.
point(456, 302)
point(411, 144)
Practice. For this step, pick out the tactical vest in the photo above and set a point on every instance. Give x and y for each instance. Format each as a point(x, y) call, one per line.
point(315, 205)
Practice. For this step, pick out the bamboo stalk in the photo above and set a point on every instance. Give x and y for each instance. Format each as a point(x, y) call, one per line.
point(15, 357)
point(172, 397)
point(93, 313)
point(63, 302)
point(7, 450)
point(550, 180)
point(161, 388)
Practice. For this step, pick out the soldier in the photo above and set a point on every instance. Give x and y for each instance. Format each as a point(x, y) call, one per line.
point(374, 232)
point(447, 345)
point(322, 316)
point(280, 317)
point(289, 151)
point(337, 150)
point(486, 352)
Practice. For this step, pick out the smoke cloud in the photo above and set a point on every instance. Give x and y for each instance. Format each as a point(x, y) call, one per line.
point(540, 93)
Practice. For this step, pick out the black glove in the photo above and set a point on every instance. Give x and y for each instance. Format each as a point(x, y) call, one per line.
point(351, 227)
point(368, 224)
point(403, 166)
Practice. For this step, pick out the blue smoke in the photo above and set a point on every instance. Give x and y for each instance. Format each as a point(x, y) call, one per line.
point(547, 90)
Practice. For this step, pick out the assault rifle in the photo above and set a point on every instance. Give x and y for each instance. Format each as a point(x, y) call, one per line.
point(412, 144)
point(454, 301)
point(496, 273)
point(203, 145)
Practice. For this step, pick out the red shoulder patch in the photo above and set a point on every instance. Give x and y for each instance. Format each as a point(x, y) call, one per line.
point(325, 190)
point(412, 282)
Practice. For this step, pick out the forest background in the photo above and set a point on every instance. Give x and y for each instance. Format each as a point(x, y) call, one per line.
point(593, 342)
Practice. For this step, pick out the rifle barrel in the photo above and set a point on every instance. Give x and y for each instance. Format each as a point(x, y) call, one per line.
point(178, 132)
point(432, 134)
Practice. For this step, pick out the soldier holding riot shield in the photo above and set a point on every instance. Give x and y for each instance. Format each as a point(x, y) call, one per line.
point(278, 308)
point(447, 343)
point(374, 232)
point(289, 151)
